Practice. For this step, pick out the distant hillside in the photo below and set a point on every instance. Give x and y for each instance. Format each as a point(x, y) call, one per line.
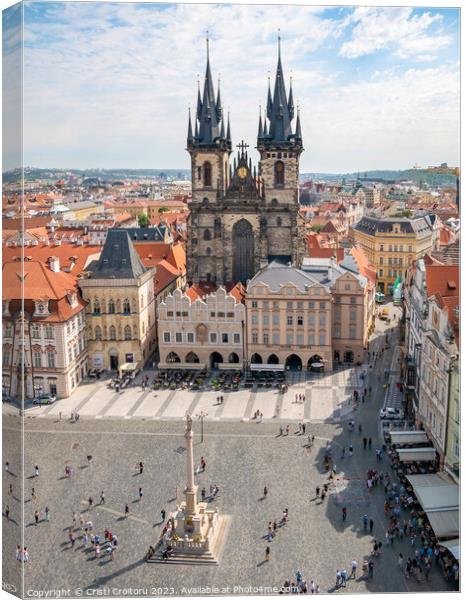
point(31, 173)
point(417, 175)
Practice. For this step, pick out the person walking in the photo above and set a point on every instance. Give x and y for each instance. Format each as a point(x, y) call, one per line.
point(90, 502)
point(364, 442)
point(141, 494)
point(350, 450)
point(102, 497)
point(141, 467)
point(47, 513)
point(126, 510)
point(36, 517)
point(371, 525)
point(163, 514)
point(7, 467)
point(317, 491)
point(7, 512)
point(36, 471)
point(203, 464)
point(400, 561)
point(369, 443)
point(344, 577)
point(338, 579)
point(343, 513)
point(265, 491)
point(354, 566)
point(343, 452)
point(10, 489)
point(267, 553)
point(364, 522)
point(371, 568)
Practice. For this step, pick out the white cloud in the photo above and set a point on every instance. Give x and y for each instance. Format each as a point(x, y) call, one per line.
point(398, 30)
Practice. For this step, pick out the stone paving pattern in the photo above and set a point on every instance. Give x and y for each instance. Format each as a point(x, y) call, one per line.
point(241, 458)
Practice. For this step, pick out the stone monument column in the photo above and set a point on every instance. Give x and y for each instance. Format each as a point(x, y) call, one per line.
point(191, 488)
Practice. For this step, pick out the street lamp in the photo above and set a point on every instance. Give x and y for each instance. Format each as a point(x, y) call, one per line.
point(201, 417)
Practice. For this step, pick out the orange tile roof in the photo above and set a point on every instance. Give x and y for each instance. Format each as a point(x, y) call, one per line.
point(200, 290)
point(440, 279)
point(363, 263)
point(164, 275)
point(39, 281)
point(338, 253)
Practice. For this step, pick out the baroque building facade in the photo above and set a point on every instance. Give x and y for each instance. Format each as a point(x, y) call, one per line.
point(242, 217)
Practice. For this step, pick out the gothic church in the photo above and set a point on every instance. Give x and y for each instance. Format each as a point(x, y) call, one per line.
point(242, 217)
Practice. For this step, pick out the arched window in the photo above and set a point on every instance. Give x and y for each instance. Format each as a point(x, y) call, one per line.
point(97, 306)
point(208, 251)
point(127, 332)
point(207, 174)
point(279, 173)
point(205, 201)
point(207, 234)
point(126, 307)
point(98, 333)
point(111, 307)
point(274, 202)
point(112, 333)
point(279, 221)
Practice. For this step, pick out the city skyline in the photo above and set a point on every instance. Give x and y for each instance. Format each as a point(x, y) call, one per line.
point(378, 87)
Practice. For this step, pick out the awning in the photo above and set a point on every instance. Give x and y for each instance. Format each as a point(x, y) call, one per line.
point(182, 366)
point(439, 498)
point(128, 367)
point(453, 546)
point(229, 366)
point(416, 454)
point(266, 367)
point(408, 437)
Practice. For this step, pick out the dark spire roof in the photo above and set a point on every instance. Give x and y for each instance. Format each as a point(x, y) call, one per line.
point(280, 112)
point(298, 135)
point(290, 101)
point(119, 259)
point(260, 131)
point(190, 129)
point(229, 130)
point(209, 128)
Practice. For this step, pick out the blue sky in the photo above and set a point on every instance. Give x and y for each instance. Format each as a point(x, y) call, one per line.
point(108, 85)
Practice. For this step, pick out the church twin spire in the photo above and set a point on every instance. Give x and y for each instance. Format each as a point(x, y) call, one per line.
point(275, 128)
point(209, 120)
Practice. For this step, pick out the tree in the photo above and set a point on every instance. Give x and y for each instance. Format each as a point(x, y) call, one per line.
point(143, 220)
point(317, 227)
point(406, 213)
point(163, 209)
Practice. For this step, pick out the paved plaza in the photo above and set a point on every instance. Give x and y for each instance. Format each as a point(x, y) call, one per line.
point(242, 457)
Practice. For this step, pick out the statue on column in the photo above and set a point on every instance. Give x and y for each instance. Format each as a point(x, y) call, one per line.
point(189, 423)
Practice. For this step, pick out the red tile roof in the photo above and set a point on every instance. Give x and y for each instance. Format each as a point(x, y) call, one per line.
point(439, 279)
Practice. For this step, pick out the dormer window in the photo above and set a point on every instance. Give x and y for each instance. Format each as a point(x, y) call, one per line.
point(41, 308)
point(72, 299)
point(6, 308)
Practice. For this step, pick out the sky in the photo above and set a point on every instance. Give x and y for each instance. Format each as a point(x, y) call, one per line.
point(109, 84)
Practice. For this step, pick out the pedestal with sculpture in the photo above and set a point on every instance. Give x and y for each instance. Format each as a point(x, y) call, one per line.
point(194, 533)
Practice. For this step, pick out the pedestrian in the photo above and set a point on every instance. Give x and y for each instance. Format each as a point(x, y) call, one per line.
point(365, 521)
point(140, 494)
point(287, 430)
point(203, 494)
point(10, 489)
point(317, 491)
point(163, 514)
point(354, 566)
point(59, 416)
point(265, 491)
point(36, 516)
point(18, 553)
point(344, 577)
point(343, 513)
point(343, 452)
point(369, 442)
point(141, 468)
point(36, 471)
point(25, 554)
point(360, 428)
point(338, 579)
point(33, 494)
point(102, 497)
point(304, 428)
point(371, 525)
point(90, 502)
point(365, 568)
point(47, 513)
point(267, 553)
point(364, 442)
point(7, 512)
point(126, 510)
point(350, 450)
point(7, 467)
point(400, 561)
point(371, 568)
point(203, 463)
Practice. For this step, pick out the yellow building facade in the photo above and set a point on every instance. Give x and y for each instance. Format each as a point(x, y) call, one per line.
point(392, 244)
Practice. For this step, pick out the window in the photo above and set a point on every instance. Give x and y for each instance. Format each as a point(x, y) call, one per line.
point(274, 202)
point(352, 315)
point(275, 319)
point(381, 247)
point(300, 319)
point(49, 332)
point(112, 333)
point(6, 358)
point(265, 320)
point(289, 320)
point(254, 319)
point(236, 338)
point(51, 360)
point(322, 320)
point(190, 338)
point(126, 307)
point(8, 329)
point(337, 315)
point(352, 333)
point(279, 221)
point(311, 340)
point(276, 339)
point(380, 272)
point(300, 339)
point(207, 235)
point(289, 339)
point(337, 331)
point(70, 354)
point(127, 332)
point(166, 337)
point(266, 338)
point(279, 172)
point(224, 338)
point(96, 306)
point(178, 337)
point(311, 304)
point(381, 260)
point(254, 304)
point(311, 320)
point(321, 305)
point(300, 305)
point(289, 305)
point(353, 300)
point(255, 338)
point(207, 174)
point(111, 307)
point(321, 339)
point(275, 304)
point(37, 359)
point(213, 338)
point(35, 331)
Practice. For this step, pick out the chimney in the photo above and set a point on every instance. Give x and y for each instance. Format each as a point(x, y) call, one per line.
point(54, 264)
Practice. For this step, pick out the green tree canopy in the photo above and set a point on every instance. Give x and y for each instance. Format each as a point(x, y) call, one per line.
point(143, 220)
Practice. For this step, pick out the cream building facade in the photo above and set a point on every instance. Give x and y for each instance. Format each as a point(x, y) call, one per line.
point(119, 291)
point(199, 328)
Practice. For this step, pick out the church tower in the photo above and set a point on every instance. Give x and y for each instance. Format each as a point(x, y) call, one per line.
point(280, 148)
point(241, 218)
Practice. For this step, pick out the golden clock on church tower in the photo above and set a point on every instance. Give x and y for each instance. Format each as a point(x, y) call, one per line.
point(242, 172)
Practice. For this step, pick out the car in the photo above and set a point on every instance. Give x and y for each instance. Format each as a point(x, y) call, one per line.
point(391, 413)
point(44, 399)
